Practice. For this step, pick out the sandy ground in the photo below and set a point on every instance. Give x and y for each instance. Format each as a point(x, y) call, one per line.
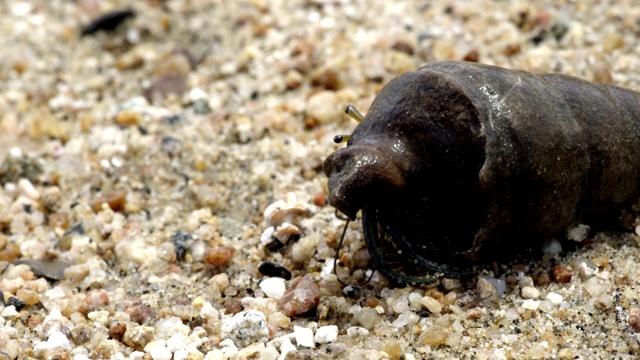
point(146, 171)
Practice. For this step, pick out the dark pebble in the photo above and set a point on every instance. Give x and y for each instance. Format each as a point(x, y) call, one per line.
point(181, 242)
point(108, 21)
point(19, 304)
point(268, 268)
point(49, 269)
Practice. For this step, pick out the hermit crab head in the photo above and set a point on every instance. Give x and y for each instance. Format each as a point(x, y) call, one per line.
point(409, 164)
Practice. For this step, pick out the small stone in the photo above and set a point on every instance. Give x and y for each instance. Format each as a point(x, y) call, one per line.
point(117, 330)
point(249, 351)
point(398, 62)
point(246, 328)
point(304, 337)
point(139, 312)
point(138, 336)
point(286, 231)
point(301, 297)
point(168, 84)
point(95, 300)
point(324, 107)
point(128, 117)
point(530, 292)
point(605, 301)
point(160, 353)
point(326, 334)
point(485, 289)
point(326, 78)
point(561, 274)
point(634, 318)
point(450, 283)
point(218, 255)
point(268, 268)
point(578, 233)
point(472, 55)
point(366, 317)
point(551, 247)
point(176, 342)
point(545, 306)
point(28, 190)
point(107, 21)
point(50, 269)
point(435, 335)
point(531, 304)
point(556, 299)
point(292, 80)
point(357, 331)
point(431, 304)
point(17, 303)
point(541, 278)
point(273, 287)
point(474, 313)
point(116, 200)
point(9, 311)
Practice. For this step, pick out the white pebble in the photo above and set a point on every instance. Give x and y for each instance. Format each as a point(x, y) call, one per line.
point(28, 190)
point(530, 292)
point(325, 107)
point(246, 327)
point(285, 348)
point(80, 357)
point(555, 298)
point(58, 339)
point(326, 334)
point(304, 337)
point(176, 342)
point(551, 247)
point(357, 331)
point(136, 355)
point(531, 304)
point(273, 287)
point(160, 353)
point(181, 354)
point(9, 311)
point(578, 233)
point(431, 304)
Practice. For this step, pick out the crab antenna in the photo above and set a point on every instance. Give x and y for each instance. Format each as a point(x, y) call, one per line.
point(353, 113)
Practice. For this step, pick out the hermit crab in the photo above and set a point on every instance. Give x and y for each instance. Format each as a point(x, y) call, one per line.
point(457, 162)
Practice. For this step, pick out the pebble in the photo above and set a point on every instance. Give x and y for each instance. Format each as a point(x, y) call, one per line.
point(302, 296)
point(485, 289)
point(246, 328)
point(49, 269)
point(450, 283)
point(561, 274)
point(176, 342)
point(634, 318)
point(273, 287)
point(324, 107)
point(531, 304)
point(160, 353)
point(269, 268)
point(218, 255)
point(556, 299)
point(357, 331)
point(326, 334)
point(551, 247)
point(366, 317)
point(530, 292)
point(304, 336)
point(578, 233)
point(431, 304)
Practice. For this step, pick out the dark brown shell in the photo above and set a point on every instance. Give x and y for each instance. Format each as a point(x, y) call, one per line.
point(459, 162)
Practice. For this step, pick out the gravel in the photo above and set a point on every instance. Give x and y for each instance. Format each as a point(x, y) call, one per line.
point(155, 154)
